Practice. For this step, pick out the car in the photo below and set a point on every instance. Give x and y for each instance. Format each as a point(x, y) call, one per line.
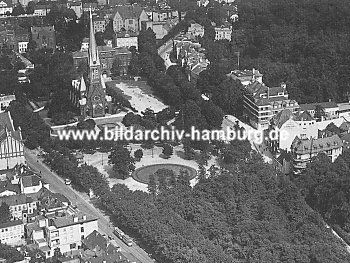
point(67, 181)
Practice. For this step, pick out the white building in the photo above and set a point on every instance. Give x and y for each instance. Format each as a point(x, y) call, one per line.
point(5, 101)
point(331, 109)
point(4, 8)
point(12, 232)
point(246, 77)
point(290, 126)
point(21, 206)
point(127, 39)
point(303, 150)
point(223, 32)
point(65, 232)
point(22, 46)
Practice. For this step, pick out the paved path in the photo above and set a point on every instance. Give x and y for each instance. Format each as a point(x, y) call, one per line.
point(81, 200)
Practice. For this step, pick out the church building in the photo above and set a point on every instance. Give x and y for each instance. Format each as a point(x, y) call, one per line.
point(90, 95)
point(11, 144)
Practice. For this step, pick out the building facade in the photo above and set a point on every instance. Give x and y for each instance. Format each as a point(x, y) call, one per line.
point(21, 206)
point(261, 103)
point(127, 39)
point(11, 144)
point(12, 233)
point(196, 30)
point(5, 7)
point(129, 18)
point(223, 32)
point(246, 77)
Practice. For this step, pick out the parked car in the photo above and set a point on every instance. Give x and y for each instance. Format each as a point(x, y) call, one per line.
point(67, 181)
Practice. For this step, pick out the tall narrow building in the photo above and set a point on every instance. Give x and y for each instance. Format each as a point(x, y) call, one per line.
point(93, 100)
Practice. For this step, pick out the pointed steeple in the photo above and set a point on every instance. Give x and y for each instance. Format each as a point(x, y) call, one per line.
point(82, 85)
point(94, 60)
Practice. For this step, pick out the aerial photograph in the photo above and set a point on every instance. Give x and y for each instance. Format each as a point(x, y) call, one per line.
point(174, 131)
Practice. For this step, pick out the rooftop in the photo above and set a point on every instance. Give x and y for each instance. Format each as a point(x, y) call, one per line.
point(13, 200)
point(68, 220)
point(307, 146)
point(325, 105)
point(11, 223)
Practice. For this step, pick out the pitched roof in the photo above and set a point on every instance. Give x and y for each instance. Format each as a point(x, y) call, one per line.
point(13, 200)
point(7, 186)
point(11, 223)
point(68, 220)
point(280, 118)
point(7, 123)
point(129, 11)
point(325, 105)
point(95, 241)
point(30, 180)
point(305, 146)
point(304, 116)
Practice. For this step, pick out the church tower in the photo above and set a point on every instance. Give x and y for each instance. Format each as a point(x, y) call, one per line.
point(96, 99)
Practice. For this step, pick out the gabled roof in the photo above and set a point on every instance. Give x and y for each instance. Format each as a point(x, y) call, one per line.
point(304, 116)
point(95, 241)
point(11, 223)
point(280, 118)
point(325, 105)
point(7, 123)
point(13, 200)
point(30, 180)
point(305, 146)
point(7, 186)
point(129, 11)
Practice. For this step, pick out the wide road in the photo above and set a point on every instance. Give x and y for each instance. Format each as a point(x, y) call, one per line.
point(57, 185)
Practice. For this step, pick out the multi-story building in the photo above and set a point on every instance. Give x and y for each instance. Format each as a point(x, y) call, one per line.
point(99, 24)
point(11, 144)
point(12, 233)
point(303, 150)
point(129, 18)
point(67, 232)
point(261, 103)
point(331, 109)
point(246, 77)
point(77, 7)
point(223, 32)
point(5, 7)
point(290, 125)
point(21, 206)
point(160, 15)
point(127, 39)
point(44, 36)
point(42, 9)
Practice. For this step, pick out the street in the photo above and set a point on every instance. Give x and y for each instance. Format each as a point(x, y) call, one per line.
point(57, 185)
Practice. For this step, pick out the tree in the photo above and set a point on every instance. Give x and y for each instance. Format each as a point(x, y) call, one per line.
point(10, 254)
point(109, 32)
point(30, 7)
point(134, 66)
point(123, 162)
point(319, 112)
point(5, 214)
point(18, 10)
point(138, 154)
point(152, 185)
point(167, 150)
point(147, 41)
point(99, 39)
point(116, 68)
point(184, 178)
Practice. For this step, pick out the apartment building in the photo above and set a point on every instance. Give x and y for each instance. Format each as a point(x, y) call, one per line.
point(261, 103)
point(331, 109)
point(223, 32)
point(99, 24)
point(127, 39)
point(290, 125)
point(21, 206)
point(12, 233)
point(129, 18)
point(5, 7)
point(303, 150)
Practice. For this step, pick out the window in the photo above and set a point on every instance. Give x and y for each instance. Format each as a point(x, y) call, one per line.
point(82, 229)
point(73, 246)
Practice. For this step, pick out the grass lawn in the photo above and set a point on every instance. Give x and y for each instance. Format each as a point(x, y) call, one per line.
point(142, 174)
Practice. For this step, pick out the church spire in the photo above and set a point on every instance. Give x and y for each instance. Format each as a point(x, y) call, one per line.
point(93, 52)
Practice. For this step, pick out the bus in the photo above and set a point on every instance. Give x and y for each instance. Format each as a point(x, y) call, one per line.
point(127, 240)
point(120, 234)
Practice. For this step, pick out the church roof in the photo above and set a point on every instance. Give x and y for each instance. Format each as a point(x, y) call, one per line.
point(94, 59)
point(6, 123)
